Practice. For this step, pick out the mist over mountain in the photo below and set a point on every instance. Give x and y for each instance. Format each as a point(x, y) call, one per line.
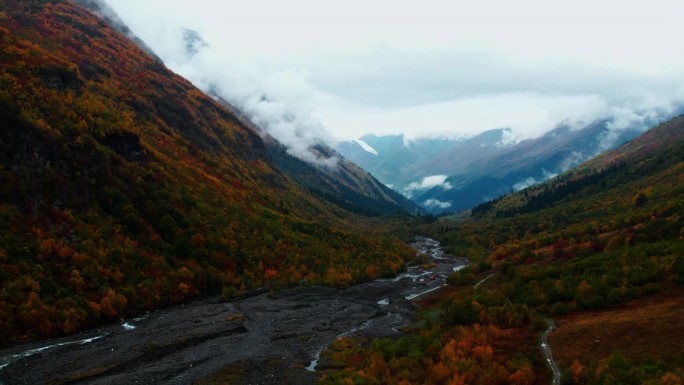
point(304, 77)
point(457, 174)
point(104, 11)
point(124, 188)
point(323, 171)
point(439, 174)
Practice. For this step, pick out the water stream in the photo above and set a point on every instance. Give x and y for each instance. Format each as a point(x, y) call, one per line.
point(423, 245)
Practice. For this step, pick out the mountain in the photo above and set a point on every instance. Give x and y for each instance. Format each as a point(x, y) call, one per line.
point(556, 272)
point(392, 158)
point(123, 188)
point(648, 156)
point(526, 163)
point(344, 183)
point(333, 178)
point(106, 13)
point(483, 167)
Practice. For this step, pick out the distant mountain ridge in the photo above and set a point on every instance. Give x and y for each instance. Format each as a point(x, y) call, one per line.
point(657, 151)
point(473, 170)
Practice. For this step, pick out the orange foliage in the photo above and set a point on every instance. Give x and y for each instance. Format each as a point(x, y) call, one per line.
point(142, 185)
point(576, 370)
point(270, 273)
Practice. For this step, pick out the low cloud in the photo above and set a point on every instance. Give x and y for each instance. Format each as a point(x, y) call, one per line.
point(531, 181)
point(649, 113)
point(427, 183)
point(303, 75)
point(277, 101)
point(434, 203)
point(572, 160)
point(523, 184)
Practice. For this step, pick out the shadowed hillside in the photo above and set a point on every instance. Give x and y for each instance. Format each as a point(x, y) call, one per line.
point(123, 188)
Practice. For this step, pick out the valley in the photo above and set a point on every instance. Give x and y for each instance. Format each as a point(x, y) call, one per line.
point(265, 339)
point(157, 229)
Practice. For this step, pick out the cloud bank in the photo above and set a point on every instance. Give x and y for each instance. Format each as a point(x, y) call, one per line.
point(277, 101)
point(305, 71)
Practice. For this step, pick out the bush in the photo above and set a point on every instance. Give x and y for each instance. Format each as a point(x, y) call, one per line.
point(229, 293)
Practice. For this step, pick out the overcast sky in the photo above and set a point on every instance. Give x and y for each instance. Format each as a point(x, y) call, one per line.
point(305, 69)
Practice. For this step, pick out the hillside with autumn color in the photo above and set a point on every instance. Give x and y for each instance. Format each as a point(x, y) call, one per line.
point(598, 251)
point(123, 188)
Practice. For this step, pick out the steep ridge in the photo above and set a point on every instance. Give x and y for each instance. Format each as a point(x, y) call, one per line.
point(646, 156)
point(123, 188)
point(335, 179)
point(104, 11)
point(345, 184)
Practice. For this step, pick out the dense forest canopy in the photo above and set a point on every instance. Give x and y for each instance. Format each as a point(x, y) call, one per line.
point(123, 188)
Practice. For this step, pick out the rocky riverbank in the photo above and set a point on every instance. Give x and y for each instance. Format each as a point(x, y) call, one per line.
point(264, 339)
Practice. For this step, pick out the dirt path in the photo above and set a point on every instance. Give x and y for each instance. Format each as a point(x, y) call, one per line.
point(258, 340)
point(483, 280)
point(548, 355)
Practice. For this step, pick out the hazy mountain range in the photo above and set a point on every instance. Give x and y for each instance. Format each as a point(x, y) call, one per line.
point(457, 174)
point(436, 174)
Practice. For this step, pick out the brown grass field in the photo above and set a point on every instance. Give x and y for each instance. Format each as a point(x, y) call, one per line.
point(648, 327)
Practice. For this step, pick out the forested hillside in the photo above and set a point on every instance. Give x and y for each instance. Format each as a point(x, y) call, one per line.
point(345, 185)
point(604, 241)
point(123, 188)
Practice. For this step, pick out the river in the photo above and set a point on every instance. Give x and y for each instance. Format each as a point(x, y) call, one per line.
point(262, 339)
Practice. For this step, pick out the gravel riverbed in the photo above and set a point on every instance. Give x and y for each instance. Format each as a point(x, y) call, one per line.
point(264, 339)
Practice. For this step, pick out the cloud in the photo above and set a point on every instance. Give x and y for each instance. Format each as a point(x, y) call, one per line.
point(427, 183)
point(642, 117)
point(523, 184)
point(279, 102)
point(307, 71)
point(570, 161)
point(434, 203)
point(531, 181)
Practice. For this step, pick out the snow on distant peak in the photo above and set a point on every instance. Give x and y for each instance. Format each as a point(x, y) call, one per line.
point(366, 147)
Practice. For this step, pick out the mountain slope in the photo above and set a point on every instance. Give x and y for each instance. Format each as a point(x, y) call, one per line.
point(334, 178)
point(482, 167)
point(123, 188)
point(528, 162)
point(600, 256)
point(344, 184)
point(649, 154)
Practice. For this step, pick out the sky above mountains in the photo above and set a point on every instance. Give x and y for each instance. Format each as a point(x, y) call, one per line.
point(307, 69)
